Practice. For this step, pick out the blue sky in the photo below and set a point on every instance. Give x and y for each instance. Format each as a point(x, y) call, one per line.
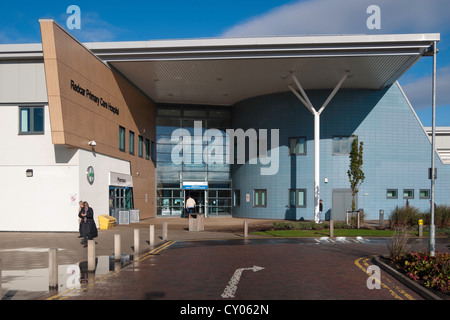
point(149, 20)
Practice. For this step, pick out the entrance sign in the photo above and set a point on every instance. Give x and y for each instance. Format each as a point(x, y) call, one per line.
point(203, 185)
point(120, 180)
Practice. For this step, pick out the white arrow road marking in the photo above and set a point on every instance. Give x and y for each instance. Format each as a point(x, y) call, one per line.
point(230, 290)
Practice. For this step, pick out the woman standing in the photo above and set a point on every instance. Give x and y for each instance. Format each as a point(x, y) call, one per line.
point(81, 204)
point(88, 227)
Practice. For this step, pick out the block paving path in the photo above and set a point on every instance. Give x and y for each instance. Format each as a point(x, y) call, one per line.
point(200, 265)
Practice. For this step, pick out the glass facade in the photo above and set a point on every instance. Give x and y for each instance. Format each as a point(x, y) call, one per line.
point(176, 136)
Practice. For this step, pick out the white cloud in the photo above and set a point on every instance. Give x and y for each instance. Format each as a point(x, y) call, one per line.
point(346, 17)
point(419, 90)
point(350, 17)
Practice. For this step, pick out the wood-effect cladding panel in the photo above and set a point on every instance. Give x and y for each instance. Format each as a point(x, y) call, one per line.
point(77, 118)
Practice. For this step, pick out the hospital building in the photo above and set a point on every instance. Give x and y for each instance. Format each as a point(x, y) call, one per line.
point(249, 127)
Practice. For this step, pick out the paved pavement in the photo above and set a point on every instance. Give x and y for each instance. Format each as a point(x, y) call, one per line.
point(252, 269)
point(24, 256)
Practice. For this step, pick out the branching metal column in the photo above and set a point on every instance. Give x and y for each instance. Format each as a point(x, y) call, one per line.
point(302, 96)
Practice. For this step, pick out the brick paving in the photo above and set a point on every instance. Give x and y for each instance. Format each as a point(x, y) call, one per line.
point(187, 268)
point(24, 255)
point(293, 270)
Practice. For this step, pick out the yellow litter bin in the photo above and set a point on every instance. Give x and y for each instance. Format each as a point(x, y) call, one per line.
point(106, 222)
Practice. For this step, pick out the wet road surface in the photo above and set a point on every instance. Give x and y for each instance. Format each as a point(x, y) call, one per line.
point(249, 269)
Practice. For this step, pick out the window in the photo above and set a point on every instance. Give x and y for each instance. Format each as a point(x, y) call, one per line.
point(237, 198)
point(153, 151)
point(131, 142)
point(259, 199)
point(140, 146)
point(297, 198)
point(297, 146)
point(408, 194)
point(147, 149)
point(121, 138)
point(31, 120)
point(342, 145)
point(424, 194)
point(391, 194)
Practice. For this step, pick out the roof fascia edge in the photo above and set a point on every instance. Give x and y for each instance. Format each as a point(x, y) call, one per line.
point(259, 41)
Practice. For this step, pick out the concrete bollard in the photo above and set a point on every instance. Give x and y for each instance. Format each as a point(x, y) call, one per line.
point(245, 228)
point(91, 255)
point(164, 231)
point(357, 220)
point(152, 235)
point(136, 241)
point(381, 219)
point(53, 268)
point(421, 228)
point(117, 247)
point(331, 228)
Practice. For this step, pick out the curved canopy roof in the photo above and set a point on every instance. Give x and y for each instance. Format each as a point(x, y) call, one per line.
point(227, 70)
point(224, 71)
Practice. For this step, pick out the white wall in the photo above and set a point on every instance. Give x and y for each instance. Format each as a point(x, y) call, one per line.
point(48, 201)
point(44, 202)
point(41, 202)
point(97, 194)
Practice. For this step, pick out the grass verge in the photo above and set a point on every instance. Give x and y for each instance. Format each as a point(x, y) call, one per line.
point(326, 233)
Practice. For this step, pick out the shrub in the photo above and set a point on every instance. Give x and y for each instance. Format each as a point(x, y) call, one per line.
point(308, 225)
point(432, 272)
point(441, 217)
point(404, 217)
point(353, 218)
point(399, 242)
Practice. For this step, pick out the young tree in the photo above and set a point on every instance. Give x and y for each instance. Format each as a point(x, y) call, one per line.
point(355, 172)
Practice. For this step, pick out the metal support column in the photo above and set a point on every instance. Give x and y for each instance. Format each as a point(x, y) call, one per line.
point(302, 96)
point(433, 152)
point(316, 166)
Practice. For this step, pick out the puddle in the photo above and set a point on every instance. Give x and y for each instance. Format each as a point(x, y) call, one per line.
point(33, 283)
point(30, 249)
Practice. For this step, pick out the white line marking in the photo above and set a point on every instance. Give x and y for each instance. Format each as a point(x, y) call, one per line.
point(231, 288)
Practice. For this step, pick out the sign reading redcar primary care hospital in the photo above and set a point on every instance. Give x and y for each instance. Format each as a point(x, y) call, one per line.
point(91, 96)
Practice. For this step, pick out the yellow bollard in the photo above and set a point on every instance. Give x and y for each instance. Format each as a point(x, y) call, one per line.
point(420, 228)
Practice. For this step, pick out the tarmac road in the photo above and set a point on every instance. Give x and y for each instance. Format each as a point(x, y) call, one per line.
point(200, 265)
point(286, 269)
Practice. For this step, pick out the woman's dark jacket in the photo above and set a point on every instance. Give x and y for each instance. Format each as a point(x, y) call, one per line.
point(92, 228)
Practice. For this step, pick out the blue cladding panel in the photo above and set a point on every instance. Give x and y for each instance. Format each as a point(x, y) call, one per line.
point(397, 152)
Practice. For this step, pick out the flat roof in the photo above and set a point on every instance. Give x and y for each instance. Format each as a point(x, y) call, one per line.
point(224, 71)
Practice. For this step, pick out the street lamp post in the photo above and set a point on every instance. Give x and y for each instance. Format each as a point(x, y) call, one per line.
point(433, 152)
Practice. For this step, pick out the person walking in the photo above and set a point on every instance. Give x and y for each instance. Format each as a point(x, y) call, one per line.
point(88, 226)
point(320, 210)
point(81, 204)
point(190, 205)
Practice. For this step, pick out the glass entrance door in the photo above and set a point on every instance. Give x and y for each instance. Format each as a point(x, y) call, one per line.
point(120, 198)
point(200, 198)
